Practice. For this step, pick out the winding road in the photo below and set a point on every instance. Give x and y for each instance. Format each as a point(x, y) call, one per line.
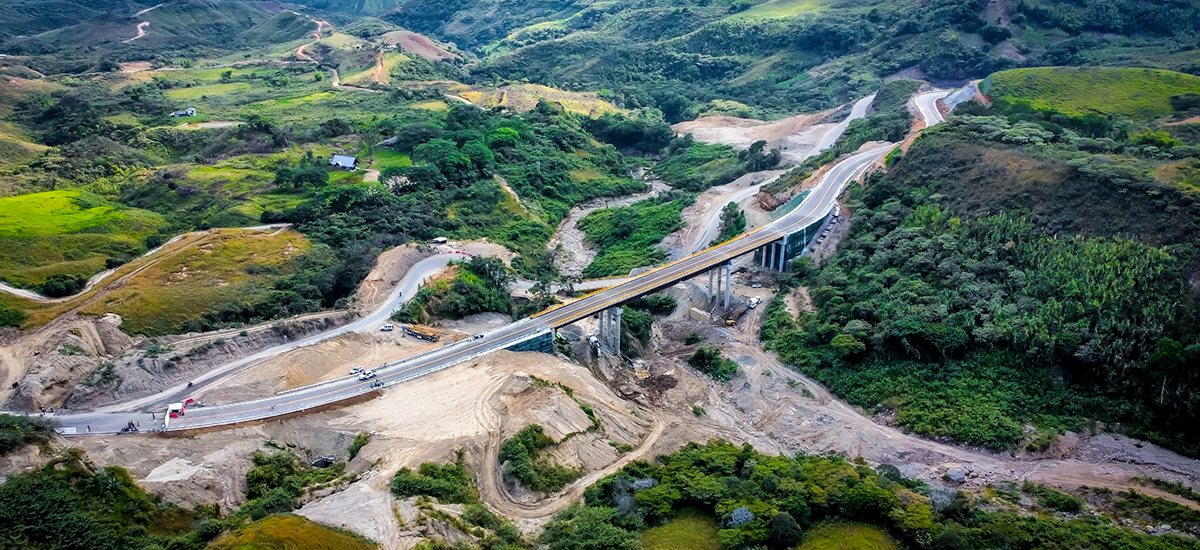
point(927, 105)
point(828, 140)
point(821, 199)
point(112, 419)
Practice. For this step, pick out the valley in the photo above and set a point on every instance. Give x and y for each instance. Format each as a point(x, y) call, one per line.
point(411, 275)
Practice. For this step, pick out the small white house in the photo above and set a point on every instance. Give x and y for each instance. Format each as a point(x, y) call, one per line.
point(190, 111)
point(342, 162)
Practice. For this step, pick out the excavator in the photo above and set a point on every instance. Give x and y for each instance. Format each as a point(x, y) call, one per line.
point(731, 320)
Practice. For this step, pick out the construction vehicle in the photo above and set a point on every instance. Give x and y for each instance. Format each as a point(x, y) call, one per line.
point(422, 332)
point(732, 319)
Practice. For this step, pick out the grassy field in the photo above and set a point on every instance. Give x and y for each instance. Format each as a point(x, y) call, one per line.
point(524, 97)
point(1136, 94)
point(196, 92)
point(286, 532)
point(226, 266)
point(67, 231)
point(690, 530)
point(778, 9)
point(847, 536)
point(52, 213)
point(390, 158)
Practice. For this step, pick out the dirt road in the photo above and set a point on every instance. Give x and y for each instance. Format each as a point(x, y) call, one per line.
point(304, 56)
point(141, 31)
point(97, 278)
point(577, 253)
point(143, 12)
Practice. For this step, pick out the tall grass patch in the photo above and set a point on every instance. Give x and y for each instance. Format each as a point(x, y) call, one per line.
point(287, 531)
point(848, 536)
point(67, 232)
point(226, 267)
point(1136, 94)
point(690, 530)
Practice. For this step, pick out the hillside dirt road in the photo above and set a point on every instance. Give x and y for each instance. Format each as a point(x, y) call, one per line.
point(141, 31)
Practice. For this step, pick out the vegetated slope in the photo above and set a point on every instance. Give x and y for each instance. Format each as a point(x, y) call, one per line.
point(1138, 94)
point(1017, 268)
point(808, 502)
point(790, 56)
point(627, 235)
point(174, 26)
point(286, 531)
point(847, 536)
point(72, 234)
point(285, 26)
point(228, 276)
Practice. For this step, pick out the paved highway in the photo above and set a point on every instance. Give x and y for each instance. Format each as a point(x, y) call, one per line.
point(927, 105)
point(713, 225)
point(816, 206)
point(404, 290)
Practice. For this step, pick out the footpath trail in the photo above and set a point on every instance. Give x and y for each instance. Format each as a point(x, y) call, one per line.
point(99, 277)
point(141, 27)
point(141, 31)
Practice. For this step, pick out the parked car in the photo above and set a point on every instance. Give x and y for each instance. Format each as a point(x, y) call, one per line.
point(356, 370)
point(388, 327)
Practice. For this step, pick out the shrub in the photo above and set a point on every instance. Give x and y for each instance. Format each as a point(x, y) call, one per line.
point(522, 459)
point(11, 316)
point(359, 442)
point(449, 483)
point(24, 430)
point(709, 361)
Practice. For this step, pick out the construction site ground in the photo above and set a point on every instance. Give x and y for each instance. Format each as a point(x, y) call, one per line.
point(475, 405)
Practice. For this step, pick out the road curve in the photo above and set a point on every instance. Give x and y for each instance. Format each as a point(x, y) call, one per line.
point(713, 224)
point(815, 206)
point(112, 419)
point(405, 289)
point(927, 105)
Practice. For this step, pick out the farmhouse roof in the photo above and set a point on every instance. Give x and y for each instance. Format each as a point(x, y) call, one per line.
point(342, 161)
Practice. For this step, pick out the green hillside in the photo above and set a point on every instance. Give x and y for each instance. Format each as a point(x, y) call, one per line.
point(1136, 94)
point(67, 233)
point(287, 531)
point(792, 55)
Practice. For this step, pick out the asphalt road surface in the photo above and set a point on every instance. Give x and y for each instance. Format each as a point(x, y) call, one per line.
point(828, 140)
point(927, 105)
point(815, 207)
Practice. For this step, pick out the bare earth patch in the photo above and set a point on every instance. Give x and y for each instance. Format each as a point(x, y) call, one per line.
point(418, 44)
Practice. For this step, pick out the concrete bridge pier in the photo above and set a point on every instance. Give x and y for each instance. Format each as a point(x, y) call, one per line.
point(773, 255)
point(714, 294)
point(610, 329)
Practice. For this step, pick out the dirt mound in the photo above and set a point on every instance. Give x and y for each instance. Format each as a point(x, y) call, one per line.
point(155, 365)
point(418, 44)
point(795, 135)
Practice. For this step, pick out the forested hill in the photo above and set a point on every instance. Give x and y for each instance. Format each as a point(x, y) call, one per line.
point(1027, 264)
point(792, 55)
point(761, 57)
